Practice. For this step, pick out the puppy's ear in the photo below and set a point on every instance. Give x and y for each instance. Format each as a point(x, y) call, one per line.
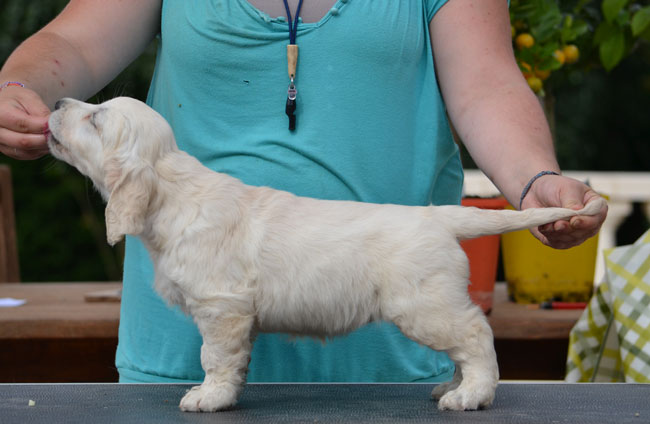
point(127, 205)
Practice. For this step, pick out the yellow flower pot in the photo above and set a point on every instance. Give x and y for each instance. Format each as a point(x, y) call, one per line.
point(536, 273)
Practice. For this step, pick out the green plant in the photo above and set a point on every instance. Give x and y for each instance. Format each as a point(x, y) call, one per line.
point(575, 36)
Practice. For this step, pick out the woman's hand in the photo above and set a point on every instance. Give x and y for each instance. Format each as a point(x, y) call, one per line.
point(87, 45)
point(560, 191)
point(23, 123)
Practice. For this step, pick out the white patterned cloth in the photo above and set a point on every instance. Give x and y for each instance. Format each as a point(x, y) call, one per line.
point(611, 340)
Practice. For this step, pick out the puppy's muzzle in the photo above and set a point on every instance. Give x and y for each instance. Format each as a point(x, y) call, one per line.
point(51, 139)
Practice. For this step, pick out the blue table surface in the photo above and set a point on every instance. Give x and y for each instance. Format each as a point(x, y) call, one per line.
point(321, 403)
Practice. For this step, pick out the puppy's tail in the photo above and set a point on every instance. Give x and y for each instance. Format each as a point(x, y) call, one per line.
point(470, 222)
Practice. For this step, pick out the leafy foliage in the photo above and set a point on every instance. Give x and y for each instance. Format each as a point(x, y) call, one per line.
point(600, 32)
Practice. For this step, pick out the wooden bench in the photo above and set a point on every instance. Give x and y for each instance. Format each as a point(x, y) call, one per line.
point(57, 336)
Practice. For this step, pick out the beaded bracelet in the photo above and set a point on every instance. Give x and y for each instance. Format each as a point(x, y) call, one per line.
point(12, 84)
point(530, 183)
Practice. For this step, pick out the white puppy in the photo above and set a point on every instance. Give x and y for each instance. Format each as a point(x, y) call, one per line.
point(243, 259)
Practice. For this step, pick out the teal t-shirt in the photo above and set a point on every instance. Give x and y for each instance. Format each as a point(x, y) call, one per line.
point(371, 127)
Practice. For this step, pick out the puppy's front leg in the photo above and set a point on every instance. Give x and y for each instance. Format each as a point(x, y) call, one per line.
point(224, 357)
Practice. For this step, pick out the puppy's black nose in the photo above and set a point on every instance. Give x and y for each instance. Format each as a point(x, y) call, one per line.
point(58, 104)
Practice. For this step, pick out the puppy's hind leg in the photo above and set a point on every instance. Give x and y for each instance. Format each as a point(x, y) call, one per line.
point(227, 343)
point(476, 364)
point(442, 317)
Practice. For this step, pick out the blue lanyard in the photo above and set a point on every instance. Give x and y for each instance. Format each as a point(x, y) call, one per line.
point(292, 57)
point(293, 27)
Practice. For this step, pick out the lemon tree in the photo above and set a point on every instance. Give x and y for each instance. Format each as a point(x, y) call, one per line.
point(552, 36)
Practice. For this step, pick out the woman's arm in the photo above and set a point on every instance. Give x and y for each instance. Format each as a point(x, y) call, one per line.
point(75, 55)
point(498, 117)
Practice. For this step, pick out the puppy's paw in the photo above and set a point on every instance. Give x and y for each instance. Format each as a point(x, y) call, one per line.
point(210, 398)
point(462, 400)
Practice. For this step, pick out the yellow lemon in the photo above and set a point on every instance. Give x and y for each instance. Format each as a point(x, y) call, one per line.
point(571, 53)
point(542, 74)
point(535, 84)
point(559, 56)
point(526, 69)
point(524, 41)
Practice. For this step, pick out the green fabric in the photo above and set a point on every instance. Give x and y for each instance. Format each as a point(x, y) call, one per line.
point(371, 126)
point(611, 341)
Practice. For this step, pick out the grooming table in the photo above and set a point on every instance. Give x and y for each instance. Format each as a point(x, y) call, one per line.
point(320, 403)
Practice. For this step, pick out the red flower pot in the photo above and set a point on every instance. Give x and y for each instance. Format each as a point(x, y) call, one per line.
point(483, 255)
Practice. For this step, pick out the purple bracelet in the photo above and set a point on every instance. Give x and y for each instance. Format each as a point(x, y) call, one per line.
point(12, 83)
point(530, 183)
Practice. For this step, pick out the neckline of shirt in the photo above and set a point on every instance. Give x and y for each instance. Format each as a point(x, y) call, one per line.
point(280, 22)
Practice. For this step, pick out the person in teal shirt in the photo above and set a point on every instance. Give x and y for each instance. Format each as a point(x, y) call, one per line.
point(356, 138)
point(371, 126)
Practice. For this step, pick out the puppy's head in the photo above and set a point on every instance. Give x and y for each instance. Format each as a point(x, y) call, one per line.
point(116, 144)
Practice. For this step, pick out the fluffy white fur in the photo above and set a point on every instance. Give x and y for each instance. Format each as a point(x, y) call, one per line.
point(243, 259)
